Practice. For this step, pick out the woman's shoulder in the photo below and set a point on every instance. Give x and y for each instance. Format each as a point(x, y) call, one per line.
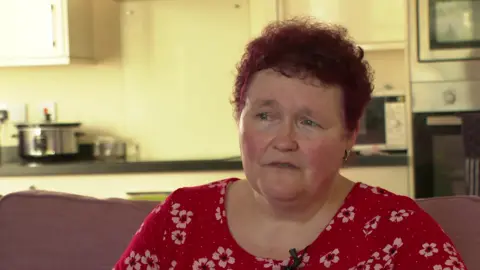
point(397, 215)
point(394, 208)
point(173, 226)
point(383, 198)
point(398, 224)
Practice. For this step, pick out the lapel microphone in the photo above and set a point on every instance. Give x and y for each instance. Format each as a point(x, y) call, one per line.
point(296, 260)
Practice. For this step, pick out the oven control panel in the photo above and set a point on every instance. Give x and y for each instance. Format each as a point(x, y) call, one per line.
point(457, 96)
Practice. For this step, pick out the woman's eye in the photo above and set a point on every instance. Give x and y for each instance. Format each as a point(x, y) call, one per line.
point(309, 122)
point(263, 116)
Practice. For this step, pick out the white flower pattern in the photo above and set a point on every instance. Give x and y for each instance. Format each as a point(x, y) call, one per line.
point(220, 214)
point(157, 208)
point(184, 217)
point(374, 229)
point(374, 190)
point(203, 264)
point(179, 237)
point(371, 225)
point(150, 260)
point(223, 256)
point(454, 263)
point(428, 249)
point(133, 261)
point(305, 260)
point(379, 191)
point(392, 249)
point(347, 214)
point(330, 224)
point(360, 266)
point(400, 215)
point(449, 249)
point(330, 258)
point(175, 210)
point(173, 264)
point(272, 264)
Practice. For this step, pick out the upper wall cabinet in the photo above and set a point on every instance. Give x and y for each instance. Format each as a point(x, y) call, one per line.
point(374, 24)
point(45, 32)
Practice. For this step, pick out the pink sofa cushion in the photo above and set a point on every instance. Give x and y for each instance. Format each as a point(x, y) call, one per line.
point(46, 230)
point(49, 231)
point(460, 219)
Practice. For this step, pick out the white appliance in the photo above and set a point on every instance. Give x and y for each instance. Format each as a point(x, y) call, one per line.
point(444, 59)
point(383, 125)
point(444, 40)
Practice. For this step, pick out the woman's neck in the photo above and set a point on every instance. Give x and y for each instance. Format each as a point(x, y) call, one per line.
point(305, 208)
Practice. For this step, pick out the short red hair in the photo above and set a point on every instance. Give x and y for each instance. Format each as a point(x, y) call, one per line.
point(304, 48)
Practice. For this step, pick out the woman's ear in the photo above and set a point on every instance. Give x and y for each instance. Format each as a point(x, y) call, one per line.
point(352, 136)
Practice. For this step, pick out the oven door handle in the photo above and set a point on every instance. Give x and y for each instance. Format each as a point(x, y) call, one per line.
point(443, 121)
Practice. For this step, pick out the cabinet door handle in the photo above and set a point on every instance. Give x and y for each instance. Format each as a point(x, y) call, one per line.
point(443, 121)
point(54, 26)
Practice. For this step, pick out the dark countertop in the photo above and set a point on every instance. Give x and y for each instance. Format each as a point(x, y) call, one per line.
point(99, 167)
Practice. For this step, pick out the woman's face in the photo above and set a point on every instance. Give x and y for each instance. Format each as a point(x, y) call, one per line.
point(292, 136)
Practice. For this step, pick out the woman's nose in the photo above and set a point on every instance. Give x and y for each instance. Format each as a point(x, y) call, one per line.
point(285, 139)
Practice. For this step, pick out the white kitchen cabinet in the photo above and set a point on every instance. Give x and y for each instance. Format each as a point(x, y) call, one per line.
point(374, 24)
point(45, 32)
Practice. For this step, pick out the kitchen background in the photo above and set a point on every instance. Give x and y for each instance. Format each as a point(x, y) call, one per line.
point(163, 76)
point(160, 76)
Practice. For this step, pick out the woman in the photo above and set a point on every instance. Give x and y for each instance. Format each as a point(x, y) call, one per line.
point(300, 91)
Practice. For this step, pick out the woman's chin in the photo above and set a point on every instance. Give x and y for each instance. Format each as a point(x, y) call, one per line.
point(280, 188)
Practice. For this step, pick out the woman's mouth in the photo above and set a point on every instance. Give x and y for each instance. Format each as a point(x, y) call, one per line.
point(283, 165)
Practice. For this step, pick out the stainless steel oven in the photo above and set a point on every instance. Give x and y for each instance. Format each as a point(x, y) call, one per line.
point(444, 40)
point(439, 152)
point(444, 66)
point(383, 126)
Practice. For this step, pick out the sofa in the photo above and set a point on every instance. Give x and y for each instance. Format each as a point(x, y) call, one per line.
point(42, 230)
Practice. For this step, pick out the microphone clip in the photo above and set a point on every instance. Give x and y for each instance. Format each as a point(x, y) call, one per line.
point(296, 260)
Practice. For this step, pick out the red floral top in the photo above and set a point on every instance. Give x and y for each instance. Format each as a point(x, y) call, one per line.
point(374, 229)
